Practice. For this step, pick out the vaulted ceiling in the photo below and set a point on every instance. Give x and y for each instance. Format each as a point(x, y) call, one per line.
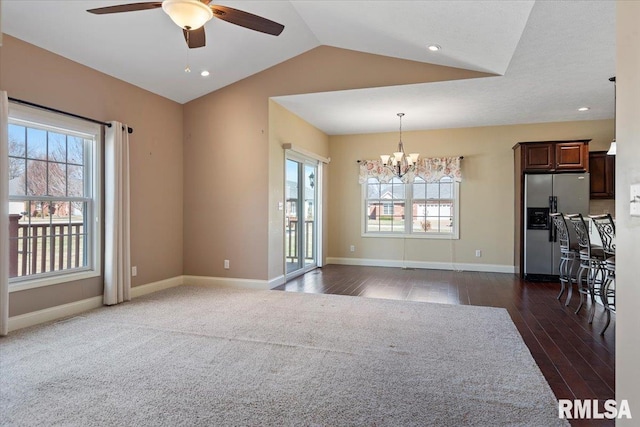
point(547, 58)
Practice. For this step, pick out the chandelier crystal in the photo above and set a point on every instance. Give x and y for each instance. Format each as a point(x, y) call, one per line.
point(399, 162)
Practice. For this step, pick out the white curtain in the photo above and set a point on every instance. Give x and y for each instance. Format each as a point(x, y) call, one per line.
point(117, 258)
point(4, 214)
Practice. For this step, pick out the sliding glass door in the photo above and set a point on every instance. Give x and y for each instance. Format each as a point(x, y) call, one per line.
point(301, 216)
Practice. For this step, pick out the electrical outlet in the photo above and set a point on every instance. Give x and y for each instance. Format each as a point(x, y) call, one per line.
point(478, 253)
point(134, 271)
point(226, 264)
point(352, 248)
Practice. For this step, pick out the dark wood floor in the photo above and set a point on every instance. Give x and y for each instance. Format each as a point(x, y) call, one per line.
point(575, 359)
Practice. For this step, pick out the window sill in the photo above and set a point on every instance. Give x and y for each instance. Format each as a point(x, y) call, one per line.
point(441, 236)
point(24, 284)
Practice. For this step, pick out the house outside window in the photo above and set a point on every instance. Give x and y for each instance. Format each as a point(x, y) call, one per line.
point(384, 206)
point(54, 203)
point(434, 206)
point(433, 212)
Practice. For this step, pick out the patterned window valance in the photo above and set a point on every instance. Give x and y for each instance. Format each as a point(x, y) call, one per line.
point(430, 169)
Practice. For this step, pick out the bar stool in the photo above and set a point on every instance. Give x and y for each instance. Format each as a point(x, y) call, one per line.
point(592, 265)
point(607, 231)
point(608, 292)
point(569, 253)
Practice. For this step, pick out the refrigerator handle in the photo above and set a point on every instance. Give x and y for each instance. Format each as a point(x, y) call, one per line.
point(552, 209)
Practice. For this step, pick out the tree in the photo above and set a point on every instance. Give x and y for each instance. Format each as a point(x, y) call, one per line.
point(16, 164)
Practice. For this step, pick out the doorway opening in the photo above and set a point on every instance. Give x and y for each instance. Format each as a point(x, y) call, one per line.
point(301, 214)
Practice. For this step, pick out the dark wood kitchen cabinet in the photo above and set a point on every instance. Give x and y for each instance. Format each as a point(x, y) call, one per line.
point(602, 169)
point(553, 156)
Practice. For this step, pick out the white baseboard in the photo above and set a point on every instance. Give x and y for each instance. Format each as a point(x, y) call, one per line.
point(53, 313)
point(489, 268)
point(276, 281)
point(226, 282)
point(73, 308)
point(77, 307)
point(138, 291)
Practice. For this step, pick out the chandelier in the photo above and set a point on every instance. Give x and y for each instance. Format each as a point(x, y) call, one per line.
point(399, 162)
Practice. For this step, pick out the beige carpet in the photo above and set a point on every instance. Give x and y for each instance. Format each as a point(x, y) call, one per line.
point(197, 356)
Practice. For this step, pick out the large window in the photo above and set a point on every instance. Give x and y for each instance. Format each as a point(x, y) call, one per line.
point(53, 198)
point(417, 209)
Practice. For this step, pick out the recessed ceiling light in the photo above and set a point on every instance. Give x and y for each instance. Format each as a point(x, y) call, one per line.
point(205, 73)
point(434, 47)
point(584, 109)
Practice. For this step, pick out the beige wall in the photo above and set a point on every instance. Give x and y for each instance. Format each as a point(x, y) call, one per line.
point(228, 210)
point(487, 190)
point(628, 227)
point(33, 74)
point(286, 127)
point(172, 202)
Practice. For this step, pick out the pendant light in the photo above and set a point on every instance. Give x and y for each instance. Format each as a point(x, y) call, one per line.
point(399, 162)
point(612, 147)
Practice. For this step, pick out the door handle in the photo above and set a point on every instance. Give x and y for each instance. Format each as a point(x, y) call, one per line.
point(555, 210)
point(552, 228)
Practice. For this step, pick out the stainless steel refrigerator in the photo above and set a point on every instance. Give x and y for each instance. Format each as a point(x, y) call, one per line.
point(545, 194)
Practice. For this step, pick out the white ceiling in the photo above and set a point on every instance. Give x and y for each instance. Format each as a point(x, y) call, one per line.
point(549, 57)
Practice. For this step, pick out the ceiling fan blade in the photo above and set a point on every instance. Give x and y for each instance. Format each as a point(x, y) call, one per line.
point(247, 20)
point(194, 38)
point(131, 7)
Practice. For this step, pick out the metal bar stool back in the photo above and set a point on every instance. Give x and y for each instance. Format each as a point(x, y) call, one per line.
point(591, 273)
point(569, 253)
point(607, 231)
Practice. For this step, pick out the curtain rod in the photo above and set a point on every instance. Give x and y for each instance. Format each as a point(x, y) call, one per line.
point(360, 161)
point(42, 107)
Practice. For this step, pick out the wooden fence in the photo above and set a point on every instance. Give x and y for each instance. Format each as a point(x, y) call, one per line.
point(292, 242)
point(41, 247)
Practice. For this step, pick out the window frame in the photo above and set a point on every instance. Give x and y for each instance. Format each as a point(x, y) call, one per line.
point(408, 226)
point(92, 162)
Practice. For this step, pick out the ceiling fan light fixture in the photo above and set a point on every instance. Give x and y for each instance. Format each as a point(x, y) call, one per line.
point(187, 14)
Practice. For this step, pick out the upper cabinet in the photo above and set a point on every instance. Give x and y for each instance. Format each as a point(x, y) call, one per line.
point(539, 156)
point(602, 168)
point(553, 156)
point(572, 155)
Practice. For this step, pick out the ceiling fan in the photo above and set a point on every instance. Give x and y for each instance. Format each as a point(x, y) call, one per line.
point(191, 15)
